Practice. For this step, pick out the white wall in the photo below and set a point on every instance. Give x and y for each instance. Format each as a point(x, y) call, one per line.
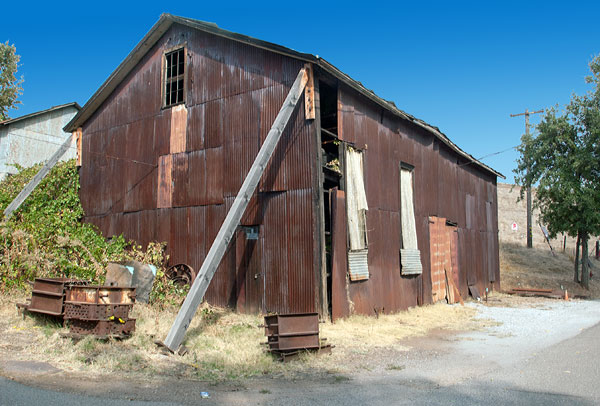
point(34, 140)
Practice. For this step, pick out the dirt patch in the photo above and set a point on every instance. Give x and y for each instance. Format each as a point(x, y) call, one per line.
point(521, 267)
point(223, 346)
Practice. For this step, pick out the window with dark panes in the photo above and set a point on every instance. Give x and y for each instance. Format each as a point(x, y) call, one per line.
point(174, 77)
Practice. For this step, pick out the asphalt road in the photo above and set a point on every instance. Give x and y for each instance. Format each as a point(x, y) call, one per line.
point(528, 370)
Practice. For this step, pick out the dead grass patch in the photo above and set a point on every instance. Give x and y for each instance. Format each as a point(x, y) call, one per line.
point(521, 267)
point(223, 345)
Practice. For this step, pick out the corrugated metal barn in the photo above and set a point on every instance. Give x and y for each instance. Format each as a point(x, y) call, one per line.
point(362, 209)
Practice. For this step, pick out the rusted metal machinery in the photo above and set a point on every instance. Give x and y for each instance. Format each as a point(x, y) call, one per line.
point(102, 311)
point(289, 334)
point(181, 274)
point(48, 296)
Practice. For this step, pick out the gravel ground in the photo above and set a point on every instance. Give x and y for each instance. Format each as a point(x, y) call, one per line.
point(522, 331)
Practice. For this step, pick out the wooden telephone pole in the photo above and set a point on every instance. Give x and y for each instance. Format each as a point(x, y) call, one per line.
point(529, 225)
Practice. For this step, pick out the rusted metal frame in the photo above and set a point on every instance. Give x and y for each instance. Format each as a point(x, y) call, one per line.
point(219, 246)
point(291, 332)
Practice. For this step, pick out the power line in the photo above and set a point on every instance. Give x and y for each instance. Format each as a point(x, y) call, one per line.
point(489, 155)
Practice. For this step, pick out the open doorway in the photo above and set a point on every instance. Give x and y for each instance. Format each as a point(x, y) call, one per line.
point(332, 170)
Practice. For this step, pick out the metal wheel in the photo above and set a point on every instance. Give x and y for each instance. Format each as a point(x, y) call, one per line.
point(181, 274)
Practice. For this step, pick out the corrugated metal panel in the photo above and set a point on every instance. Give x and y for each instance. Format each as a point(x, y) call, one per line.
point(177, 240)
point(339, 270)
point(222, 283)
point(249, 275)
point(196, 179)
point(358, 265)
point(300, 246)
point(195, 242)
point(179, 179)
point(241, 139)
point(275, 258)
point(213, 124)
point(195, 128)
point(411, 262)
point(215, 162)
point(438, 247)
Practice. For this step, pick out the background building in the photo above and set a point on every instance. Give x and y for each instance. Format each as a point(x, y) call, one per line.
point(33, 138)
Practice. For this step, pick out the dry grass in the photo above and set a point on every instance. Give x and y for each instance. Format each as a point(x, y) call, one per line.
point(222, 345)
point(360, 332)
point(537, 268)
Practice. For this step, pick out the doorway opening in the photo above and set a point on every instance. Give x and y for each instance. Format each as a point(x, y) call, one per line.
point(332, 169)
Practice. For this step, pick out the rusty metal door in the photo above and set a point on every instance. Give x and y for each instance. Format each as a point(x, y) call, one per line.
point(439, 247)
point(453, 235)
point(250, 281)
point(339, 265)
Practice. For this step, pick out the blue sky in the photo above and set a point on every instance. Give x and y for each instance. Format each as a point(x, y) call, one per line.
point(464, 67)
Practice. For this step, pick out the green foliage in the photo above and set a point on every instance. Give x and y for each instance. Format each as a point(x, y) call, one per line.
point(563, 158)
point(10, 86)
point(45, 237)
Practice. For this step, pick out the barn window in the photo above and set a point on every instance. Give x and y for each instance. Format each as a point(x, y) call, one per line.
point(174, 74)
point(356, 203)
point(410, 256)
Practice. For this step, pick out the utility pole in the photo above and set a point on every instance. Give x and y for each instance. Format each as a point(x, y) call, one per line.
point(529, 229)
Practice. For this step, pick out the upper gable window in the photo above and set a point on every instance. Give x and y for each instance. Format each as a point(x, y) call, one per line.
point(174, 83)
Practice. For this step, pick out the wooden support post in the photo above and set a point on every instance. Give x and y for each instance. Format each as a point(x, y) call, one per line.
point(16, 203)
point(219, 246)
point(309, 94)
point(77, 135)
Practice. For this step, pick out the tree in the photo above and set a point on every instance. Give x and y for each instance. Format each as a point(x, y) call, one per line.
point(10, 85)
point(563, 159)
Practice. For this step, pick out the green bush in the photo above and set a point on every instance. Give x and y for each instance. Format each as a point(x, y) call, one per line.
point(45, 237)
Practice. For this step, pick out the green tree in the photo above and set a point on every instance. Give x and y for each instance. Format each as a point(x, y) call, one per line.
point(563, 159)
point(10, 85)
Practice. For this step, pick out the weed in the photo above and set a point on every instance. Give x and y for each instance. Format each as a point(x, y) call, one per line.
point(340, 379)
point(394, 367)
point(88, 345)
point(264, 391)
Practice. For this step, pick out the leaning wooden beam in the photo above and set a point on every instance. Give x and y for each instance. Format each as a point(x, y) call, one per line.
point(219, 246)
point(18, 201)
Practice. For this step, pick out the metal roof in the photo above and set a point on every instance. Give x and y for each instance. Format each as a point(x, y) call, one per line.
point(167, 20)
point(39, 113)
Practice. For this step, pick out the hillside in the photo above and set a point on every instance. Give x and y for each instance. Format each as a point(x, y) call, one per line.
point(537, 268)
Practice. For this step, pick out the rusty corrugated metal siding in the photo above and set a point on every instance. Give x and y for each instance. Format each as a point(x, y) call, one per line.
point(445, 185)
point(234, 93)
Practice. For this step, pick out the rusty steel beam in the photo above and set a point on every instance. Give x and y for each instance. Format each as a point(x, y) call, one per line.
point(219, 246)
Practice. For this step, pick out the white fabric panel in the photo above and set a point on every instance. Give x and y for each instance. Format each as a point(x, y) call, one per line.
point(409, 229)
point(356, 200)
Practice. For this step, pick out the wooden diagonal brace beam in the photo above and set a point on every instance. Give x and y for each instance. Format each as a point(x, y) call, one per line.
point(219, 246)
point(33, 183)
